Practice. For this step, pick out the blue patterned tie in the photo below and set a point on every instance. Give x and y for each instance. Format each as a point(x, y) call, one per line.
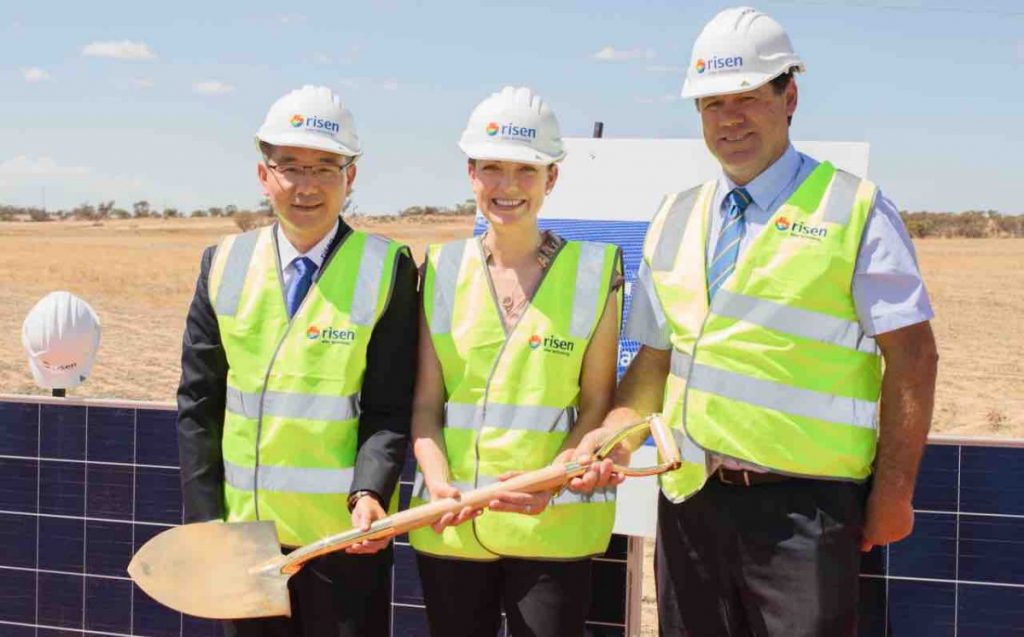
point(299, 285)
point(729, 237)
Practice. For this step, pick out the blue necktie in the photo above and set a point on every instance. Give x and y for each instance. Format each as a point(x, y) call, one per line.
point(727, 250)
point(299, 285)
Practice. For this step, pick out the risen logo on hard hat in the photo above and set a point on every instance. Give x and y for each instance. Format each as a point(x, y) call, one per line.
point(716, 63)
point(315, 123)
point(511, 131)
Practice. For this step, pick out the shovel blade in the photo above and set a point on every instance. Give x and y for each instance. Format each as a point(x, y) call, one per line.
point(209, 569)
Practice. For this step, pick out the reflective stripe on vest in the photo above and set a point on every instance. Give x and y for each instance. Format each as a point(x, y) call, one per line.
point(296, 480)
point(292, 400)
point(287, 405)
point(520, 417)
point(512, 395)
point(778, 371)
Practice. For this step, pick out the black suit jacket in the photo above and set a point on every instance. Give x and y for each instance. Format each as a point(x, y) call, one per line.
point(385, 400)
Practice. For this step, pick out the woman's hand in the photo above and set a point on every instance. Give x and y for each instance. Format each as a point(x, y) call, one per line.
point(440, 490)
point(519, 502)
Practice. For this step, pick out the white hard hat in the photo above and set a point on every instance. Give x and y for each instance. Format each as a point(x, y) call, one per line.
point(311, 117)
point(60, 335)
point(739, 50)
point(513, 125)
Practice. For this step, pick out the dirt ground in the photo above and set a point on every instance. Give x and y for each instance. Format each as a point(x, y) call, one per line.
point(139, 276)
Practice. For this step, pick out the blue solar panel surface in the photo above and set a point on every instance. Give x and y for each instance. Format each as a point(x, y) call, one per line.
point(82, 487)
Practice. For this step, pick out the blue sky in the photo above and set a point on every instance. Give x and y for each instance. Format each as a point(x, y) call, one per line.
point(935, 86)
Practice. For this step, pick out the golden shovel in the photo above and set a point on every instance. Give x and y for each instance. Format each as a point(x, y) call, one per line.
point(235, 570)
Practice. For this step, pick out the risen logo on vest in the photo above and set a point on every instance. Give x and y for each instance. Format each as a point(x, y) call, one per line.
point(801, 229)
point(552, 344)
point(330, 335)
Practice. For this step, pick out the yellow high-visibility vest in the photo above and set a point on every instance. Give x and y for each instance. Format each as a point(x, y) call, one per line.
point(777, 370)
point(511, 397)
point(292, 414)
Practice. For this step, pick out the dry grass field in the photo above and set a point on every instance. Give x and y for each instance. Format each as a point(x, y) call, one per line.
point(139, 276)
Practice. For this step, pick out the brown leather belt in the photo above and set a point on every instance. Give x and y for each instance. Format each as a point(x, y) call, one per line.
point(743, 478)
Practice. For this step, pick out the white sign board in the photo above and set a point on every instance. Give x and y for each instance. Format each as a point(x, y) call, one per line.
point(608, 190)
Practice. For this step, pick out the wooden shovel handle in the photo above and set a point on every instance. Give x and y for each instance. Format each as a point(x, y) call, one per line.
point(551, 477)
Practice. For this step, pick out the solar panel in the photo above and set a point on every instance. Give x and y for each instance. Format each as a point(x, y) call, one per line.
point(83, 484)
point(961, 573)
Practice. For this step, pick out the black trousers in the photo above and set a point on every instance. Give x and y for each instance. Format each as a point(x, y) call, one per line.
point(770, 560)
point(541, 598)
point(337, 595)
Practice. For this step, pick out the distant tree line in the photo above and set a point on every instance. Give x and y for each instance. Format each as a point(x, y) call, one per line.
point(973, 224)
point(139, 210)
point(467, 207)
point(920, 224)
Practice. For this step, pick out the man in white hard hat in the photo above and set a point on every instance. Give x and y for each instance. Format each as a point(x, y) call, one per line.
point(767, 301)
point(61, 334)
point(297, 374)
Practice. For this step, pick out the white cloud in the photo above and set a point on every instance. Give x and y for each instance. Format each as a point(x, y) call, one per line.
point(141, 82)
point(24, 166)
point(389, 85)
point(119, 50)
point(35, 74)
point(347, 83)
point(288, 19)
point(611, 54)
point(212, 87)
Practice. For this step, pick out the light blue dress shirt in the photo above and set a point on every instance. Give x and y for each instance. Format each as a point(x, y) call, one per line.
point(888, 292)
point(288, 253)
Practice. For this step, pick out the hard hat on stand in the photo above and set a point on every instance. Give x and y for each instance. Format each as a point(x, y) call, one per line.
point(61, 334)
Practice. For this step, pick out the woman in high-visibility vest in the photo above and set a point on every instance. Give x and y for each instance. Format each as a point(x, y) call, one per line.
point(517, 361)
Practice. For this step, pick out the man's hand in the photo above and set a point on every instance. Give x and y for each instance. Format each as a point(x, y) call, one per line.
point(908, 394)
point(887, 520)
point(441, 490)
point(600, 474)
point(366, 512)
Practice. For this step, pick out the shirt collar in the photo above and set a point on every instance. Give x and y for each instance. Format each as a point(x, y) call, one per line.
point(316, 254)
point(766, 188)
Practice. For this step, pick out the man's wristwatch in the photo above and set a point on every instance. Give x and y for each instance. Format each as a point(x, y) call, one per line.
point(355, 496)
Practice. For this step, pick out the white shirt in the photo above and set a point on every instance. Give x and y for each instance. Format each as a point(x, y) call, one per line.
point(289, 253)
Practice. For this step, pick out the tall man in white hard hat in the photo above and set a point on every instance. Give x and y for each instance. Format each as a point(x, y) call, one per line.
point(767, 302)
point(297, 373)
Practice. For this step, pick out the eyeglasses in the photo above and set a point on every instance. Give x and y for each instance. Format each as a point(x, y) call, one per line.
point(321, 173)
